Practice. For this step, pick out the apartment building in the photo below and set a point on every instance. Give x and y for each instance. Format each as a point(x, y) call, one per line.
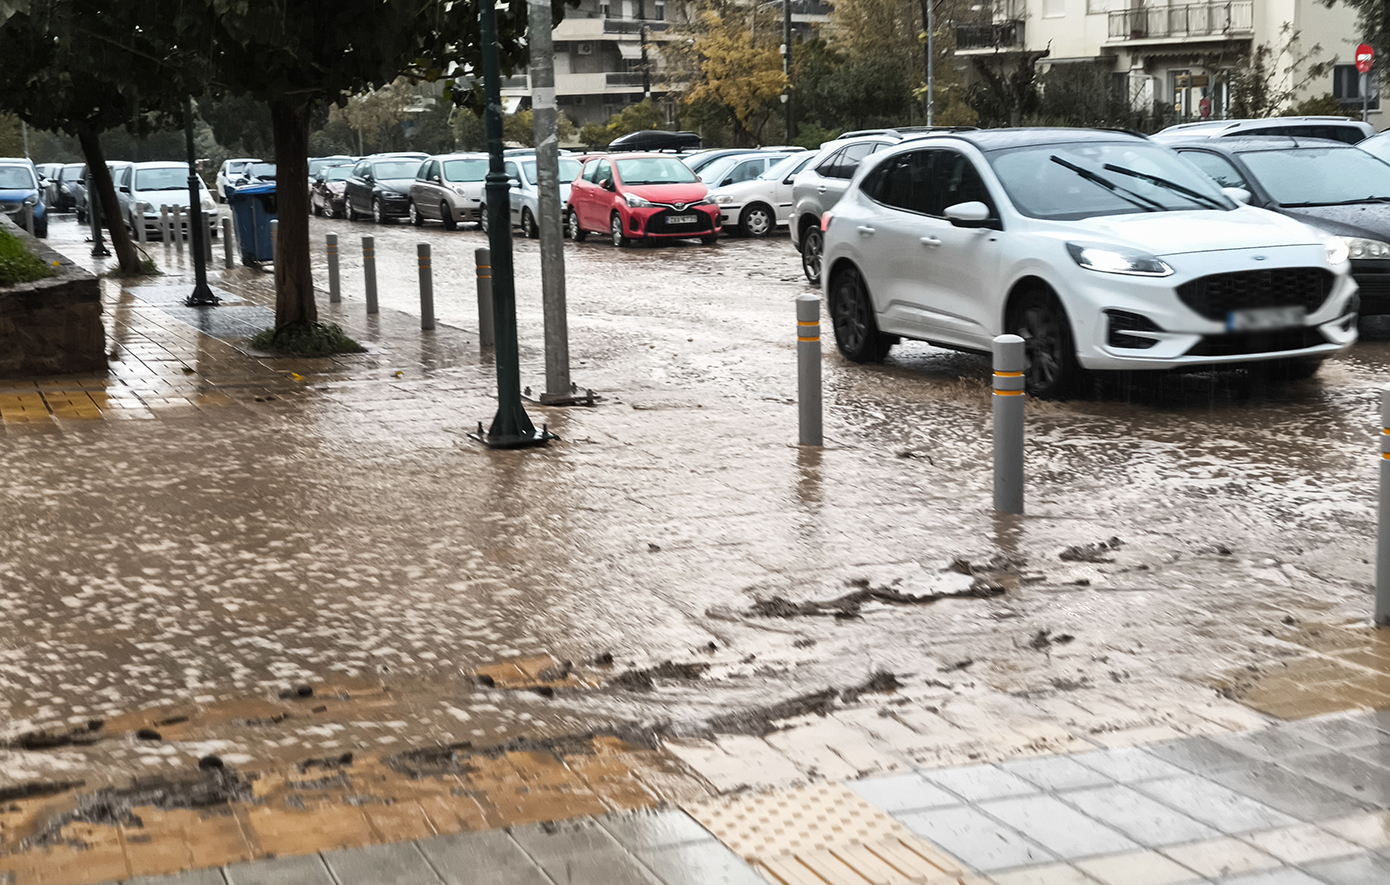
point(1172, 54)
point(608, 53)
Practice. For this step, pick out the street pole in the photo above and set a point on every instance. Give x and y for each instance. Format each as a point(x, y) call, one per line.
point(1365, 95)
point(646, 69)
point(931, 62)
point(24, 127)
point(511, 427)
point(201, 295)
point(545, 120)
point(787, 65)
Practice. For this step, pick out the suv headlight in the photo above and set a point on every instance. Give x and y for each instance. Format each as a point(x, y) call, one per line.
point(636, 202)
point(1338, 250)
point(1361, 248)
point(1114, 259)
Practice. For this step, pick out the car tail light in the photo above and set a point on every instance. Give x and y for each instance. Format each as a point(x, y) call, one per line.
point(824, 222)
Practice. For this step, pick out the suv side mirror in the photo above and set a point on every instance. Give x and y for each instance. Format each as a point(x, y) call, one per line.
point(971, 214)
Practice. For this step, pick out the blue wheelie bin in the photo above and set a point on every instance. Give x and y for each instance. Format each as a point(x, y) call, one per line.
point(253, 208)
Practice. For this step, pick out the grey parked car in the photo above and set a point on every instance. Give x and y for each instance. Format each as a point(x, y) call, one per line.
point(449, 189)
point(69, 183)
point(118, 169)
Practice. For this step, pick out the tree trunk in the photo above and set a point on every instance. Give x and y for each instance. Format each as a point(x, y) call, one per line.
point(294, 278)
point(99, 183)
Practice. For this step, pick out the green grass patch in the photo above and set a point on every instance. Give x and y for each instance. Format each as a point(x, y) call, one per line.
point(306, 339)
point(18, 264)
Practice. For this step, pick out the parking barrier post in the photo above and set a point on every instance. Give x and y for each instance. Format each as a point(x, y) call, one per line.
point(139, 219)
point(369, 271)
point(1382, 607)
point(808, 356)
point(1008, 423)
point(227, 242)
point(164, 224)
point(207, 242)
point(275, 240)
point(335, 292)
point(178, 226)
point(486, 332)
point(422, 250)
point(28, 218)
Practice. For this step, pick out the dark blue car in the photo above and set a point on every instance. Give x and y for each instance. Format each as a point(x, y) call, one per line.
point(19, 186)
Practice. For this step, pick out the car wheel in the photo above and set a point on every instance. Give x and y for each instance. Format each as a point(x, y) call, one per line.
point(577, 233)
point(446, 215)
point(415, 217)
point(811, 245)
point(81, 216)
point(378, 215)
point(528, 225)
point(350, 209)
point(615, 227)
point(1050, 369)
point(756, 221)
point(852, 318)
point(318, 210)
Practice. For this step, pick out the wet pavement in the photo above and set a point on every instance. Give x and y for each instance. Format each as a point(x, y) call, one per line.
point(198, 532)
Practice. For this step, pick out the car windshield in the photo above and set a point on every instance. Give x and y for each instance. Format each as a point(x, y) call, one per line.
point(569, 171)
point(17, 178)
point(396, 169)
point(1086, 179)
point(261, 170)
point(1376, 146)
point(337, 173)
point(166, 179)
point(654, 170)
point(790, 166)
point(71, 171)
point(471, 169)
point(316, 165)
point(716, 171)
point(1320, 176)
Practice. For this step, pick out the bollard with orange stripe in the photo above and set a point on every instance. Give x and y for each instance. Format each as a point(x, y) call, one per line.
point(1009, 362)
point(335, 292)
point(485, 327)
point(369, 272)
point(1382, 609)
point(422, 250)
point(808, 369)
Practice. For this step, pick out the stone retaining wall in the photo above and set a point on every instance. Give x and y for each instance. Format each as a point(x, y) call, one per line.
point(52, 326)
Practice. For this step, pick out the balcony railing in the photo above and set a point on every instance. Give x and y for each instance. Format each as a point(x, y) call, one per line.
point(519, 82)
point(998, 35)
point(631, 26)
point(1188, 20)
point(625, 78)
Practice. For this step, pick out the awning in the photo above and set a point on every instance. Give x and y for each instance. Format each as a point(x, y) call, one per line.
point(630, 51)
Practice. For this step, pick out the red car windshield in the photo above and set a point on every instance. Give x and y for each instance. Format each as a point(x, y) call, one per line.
point(654, 170)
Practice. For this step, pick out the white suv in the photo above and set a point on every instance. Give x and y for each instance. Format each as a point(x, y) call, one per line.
point(1102, 250)
point(1343, 129)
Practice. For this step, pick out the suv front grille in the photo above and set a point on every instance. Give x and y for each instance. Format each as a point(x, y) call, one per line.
point(1217, 295)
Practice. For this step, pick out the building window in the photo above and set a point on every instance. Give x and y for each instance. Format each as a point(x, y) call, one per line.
point(660, 13)
point(1054, 8)
point(1346, 86)
point(604, 9)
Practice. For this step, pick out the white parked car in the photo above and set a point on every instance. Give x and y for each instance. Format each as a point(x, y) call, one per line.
point(142, 188)
point(230, 171)
point(1102, 250)
point(755, 208)
point(525, 195)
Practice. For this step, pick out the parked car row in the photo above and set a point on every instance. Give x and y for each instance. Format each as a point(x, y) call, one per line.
point(21, 187)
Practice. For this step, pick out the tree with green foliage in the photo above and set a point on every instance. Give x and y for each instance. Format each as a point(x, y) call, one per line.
point(1271, 76)
point(730, 58)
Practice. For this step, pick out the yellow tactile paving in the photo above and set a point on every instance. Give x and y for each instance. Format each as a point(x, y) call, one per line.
point(824, 834)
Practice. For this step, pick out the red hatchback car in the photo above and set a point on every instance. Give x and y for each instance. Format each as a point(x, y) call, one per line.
point(641, 197)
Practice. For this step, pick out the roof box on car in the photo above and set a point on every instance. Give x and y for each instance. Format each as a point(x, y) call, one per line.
point(656, 140)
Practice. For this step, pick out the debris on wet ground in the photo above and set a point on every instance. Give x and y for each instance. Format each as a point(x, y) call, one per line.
point(761, 721)
point(850, 605)
point(539, 673)
point(48, 740)
point(1044, 639)
point(645, 679)
point(1091, 552)
point(37, 790)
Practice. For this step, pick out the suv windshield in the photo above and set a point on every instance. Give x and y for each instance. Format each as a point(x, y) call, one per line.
point(1314, 176)
point(654, 170)
point(472, 169)
point(1085, 179)
point(569, 170)
point(394, 170)
point(337, 173)
point(17, 178)
point(167, 179)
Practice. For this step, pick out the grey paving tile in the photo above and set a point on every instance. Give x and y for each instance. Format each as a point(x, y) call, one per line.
point(210, 876)
point(1291, 793)
point(699, 864)
point(979, 841)
point(1375, 754)
point(581, 852)
point(655, 829)
point(305, 870)
point(1270, 744)
point(399, 863)
point(488, 858)
point(978, 782)
point(1056, 773)
point(1354, 777)
point(1286, 876)
point(1362, 870)
point(902, 792)
point(1143, 819)
point(1200, 755)
point(1215, 805)
point(1058, 827)
point(1128, 765)
point(1340, 732)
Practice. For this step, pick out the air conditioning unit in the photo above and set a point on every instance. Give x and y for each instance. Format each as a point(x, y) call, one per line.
point(584, 48)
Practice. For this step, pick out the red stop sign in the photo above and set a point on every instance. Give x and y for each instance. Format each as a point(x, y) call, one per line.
point(1365, 57)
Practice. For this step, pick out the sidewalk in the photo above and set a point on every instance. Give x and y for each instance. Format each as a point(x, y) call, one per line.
point(245, 527)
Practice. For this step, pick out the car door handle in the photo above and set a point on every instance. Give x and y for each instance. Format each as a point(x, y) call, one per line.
point(931, 241)
point(821, 189)
point(865, 230)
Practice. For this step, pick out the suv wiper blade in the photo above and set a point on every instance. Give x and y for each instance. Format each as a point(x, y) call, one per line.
point(1123, 193)
point(1196, 196)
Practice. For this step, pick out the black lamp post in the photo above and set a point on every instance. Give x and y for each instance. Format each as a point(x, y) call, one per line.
point(201, 295)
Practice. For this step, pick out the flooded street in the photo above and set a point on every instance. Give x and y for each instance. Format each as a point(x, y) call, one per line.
point(329, 524)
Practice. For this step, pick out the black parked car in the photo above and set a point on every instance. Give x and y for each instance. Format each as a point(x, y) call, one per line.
point(1329, 185)
point(380, 187)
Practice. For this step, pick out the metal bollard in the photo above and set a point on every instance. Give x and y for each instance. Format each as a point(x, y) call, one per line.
point(178, 226)
point(275, 240)
point(422, 250)
point(335, 293)
point(227, 242)
point(164, 224)
point(1382, 609)
point(139, 218)
point(808, 388)
point(29, 218)
point(369, 271)
point(486, 328)
point(1008, 423)
point(207, 241)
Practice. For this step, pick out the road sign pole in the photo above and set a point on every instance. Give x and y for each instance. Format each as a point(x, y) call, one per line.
point(1365, 60)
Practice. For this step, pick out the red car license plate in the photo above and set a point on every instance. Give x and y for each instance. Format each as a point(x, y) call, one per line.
point(680, 219)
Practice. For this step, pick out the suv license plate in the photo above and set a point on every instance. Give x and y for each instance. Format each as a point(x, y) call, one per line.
point(1265, 318)
point(680, 219)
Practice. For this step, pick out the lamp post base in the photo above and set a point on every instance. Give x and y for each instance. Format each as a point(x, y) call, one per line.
point(494, 439)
